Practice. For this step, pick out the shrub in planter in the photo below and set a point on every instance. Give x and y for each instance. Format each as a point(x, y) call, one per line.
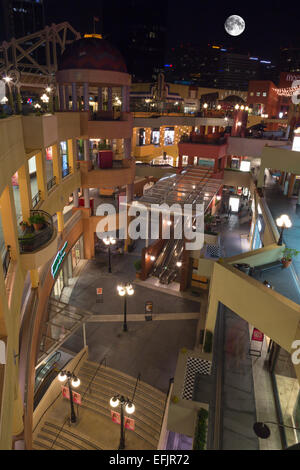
point(38, 221)
point(138, 267)
point(288, 255)
point(201, 429)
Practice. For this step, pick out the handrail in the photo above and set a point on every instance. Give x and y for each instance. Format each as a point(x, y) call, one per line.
point(171, 381)
point(51, 183)
point(88, 388)
point(47, 366)
point(32, 240)
point(36, 199)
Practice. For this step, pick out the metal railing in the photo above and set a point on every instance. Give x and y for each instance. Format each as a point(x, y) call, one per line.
point(34, 239)
point(6, 260)
point(51, 183)
point(66, 171)
point(36, 199)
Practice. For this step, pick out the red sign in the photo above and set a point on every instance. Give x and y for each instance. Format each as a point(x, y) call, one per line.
point(66, 394)
point(115, 416)
point(129, 423)
point(257, 335)
point(99, 291)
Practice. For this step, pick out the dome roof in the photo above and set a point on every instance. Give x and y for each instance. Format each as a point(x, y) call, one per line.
point(92, 53)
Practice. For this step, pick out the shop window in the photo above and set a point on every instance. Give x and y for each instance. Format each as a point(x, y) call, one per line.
point(169, 136)
point(141, 137)
point(64, 158)
point(155, 136)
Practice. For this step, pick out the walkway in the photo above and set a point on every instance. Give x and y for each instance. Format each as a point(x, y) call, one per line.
point(149, 347)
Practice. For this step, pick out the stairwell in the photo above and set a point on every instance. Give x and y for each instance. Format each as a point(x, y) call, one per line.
point(95, 429)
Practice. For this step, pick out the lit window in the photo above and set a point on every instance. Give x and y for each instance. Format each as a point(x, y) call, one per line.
point(264, 93)
point(258, 93)
point(251, 94)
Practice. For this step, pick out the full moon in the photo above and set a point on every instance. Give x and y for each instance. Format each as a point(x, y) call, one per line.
point(234, 25)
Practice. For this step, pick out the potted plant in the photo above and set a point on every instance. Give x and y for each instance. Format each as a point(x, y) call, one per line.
point(24, 225)
point(138, 268)
point(38, 221)
point(287, 256)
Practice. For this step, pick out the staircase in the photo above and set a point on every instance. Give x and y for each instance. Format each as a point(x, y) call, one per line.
point(98, 385)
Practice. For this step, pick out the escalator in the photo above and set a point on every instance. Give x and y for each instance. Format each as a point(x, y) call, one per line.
point(45, 374)
point(171, 270)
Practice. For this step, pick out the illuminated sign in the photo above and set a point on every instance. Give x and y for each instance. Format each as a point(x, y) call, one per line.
point(58, 260)
point(296, 144)
point(245, 166)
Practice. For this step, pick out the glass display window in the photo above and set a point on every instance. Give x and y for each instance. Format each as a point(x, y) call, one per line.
point(169, 136)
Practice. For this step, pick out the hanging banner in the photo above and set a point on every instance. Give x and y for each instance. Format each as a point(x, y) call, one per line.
point(256, 343)
point(115, 416)
point(99, 299)
point(66, 394)
point(129, 423)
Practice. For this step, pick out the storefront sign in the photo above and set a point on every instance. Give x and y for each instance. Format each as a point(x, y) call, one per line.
point(66, 394)
point(115, 416)
point(257, 335)
point(148, 310)
point(99, 298)
point(129, 423)
point(58, 260)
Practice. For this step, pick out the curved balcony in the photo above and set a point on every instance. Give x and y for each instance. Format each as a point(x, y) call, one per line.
point(39, 241)
point(122, 172)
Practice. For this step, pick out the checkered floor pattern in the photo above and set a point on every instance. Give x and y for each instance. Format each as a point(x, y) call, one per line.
point(213, 251)
point(194, 365)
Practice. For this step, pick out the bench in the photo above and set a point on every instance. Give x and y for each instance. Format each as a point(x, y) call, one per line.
point(266, 267)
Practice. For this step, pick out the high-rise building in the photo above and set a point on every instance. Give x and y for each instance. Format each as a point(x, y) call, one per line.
point(138, 29)
point(289, 59)
point(215, 66)
point(20, 18)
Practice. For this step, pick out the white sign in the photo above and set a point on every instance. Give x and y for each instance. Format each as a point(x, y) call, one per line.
point(2, 352)
point(2, 90)
point(296, 144)
point(245, 166)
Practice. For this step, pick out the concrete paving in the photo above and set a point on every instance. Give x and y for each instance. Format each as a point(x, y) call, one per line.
point(148, 347)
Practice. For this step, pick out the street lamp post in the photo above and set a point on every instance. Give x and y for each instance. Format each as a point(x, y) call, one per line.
point(74, 381)
point(123, 291)
point(283, 222)
point(129, 408)
point(108, 242)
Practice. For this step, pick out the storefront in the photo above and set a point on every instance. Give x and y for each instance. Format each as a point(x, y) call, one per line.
point(67, 269)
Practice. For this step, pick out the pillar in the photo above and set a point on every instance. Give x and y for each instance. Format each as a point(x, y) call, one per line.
point(86, 150)
point(34, 277)
point(67, 97)
point(100, 99)
point(127, 148)
point(9, 221)
point(291, 184)
point(129, 196)
point(109, 98)
point(40, 173)
point(60, 221)
point(75, 198)
point(71, 154)
point(86, 96)
point(56, 163)
point(25, 191)
point(74, 96)
point(86, 195)
point(61, 98)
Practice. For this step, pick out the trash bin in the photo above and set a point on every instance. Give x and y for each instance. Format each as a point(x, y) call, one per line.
point(244, 267)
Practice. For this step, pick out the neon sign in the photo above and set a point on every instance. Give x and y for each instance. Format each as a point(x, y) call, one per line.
point(58, 260)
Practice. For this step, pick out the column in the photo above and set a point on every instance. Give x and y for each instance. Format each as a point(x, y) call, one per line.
point(9, 221)
point(75, 198)
point(61, 98)
point(109, 98)
point(86, 96)
point(100, 99)
point(25, 191)
point(40, 173)
point(67, 97)
point(86, 195)
point(127, 148)
point(129, 196)
point(60, 221)
point(56, 163)
point(71, 155)
point(86, 150)
point(291, 185)
point(34, 277)
point(74, 96)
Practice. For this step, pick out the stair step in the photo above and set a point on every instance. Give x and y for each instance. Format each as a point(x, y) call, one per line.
point(138, 431)
point(120, 376)
point(140, 421)
point(107, 390)
point(72, 437)
point(50, 441)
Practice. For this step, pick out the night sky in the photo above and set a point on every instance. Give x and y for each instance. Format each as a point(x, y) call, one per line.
point(269, 24)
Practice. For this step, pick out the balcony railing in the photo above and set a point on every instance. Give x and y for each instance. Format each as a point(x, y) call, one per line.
point(6, 260)
point(37, 235)
point(51, 183)
point(66, 171)
point(36, 199)
point(203, 139)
